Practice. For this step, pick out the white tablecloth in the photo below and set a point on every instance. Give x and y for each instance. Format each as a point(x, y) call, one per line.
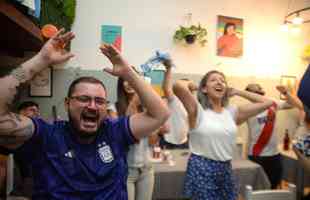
point(169, 179)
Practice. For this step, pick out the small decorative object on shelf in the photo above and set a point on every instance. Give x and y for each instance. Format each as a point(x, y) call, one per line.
point(191, 34)
point(49, 30)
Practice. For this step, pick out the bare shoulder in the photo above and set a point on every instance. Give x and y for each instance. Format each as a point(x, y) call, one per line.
point(15, 130)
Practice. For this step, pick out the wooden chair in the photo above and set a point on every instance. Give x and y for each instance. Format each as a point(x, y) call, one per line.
point(287, 194)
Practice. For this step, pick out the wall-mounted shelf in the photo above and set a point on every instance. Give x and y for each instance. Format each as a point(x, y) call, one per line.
point(18, 33)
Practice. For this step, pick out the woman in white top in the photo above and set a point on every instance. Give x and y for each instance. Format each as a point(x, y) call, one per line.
point(213, 128)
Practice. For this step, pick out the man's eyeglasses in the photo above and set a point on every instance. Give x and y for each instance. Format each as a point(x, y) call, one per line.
point(84, 99)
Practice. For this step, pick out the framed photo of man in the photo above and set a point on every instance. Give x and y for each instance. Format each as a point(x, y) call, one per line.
point(229, 36)
point(42, 84)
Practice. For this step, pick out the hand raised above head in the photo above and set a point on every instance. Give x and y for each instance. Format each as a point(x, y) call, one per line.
point(53, 51)
point(282, 89)
point(192, 86)
point(231, 92)
point(120, 65)
point(168, 63)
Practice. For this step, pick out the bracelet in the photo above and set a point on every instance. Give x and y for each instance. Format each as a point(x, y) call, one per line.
point(19, 74)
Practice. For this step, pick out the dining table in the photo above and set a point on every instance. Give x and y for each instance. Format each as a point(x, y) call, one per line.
point(170, 174)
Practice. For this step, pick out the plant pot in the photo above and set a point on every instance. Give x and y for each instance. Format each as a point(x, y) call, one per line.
point(190, 39)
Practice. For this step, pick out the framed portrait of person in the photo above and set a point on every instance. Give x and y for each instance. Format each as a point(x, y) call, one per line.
point(290, 82)
point(41, 84)
point(229, 37)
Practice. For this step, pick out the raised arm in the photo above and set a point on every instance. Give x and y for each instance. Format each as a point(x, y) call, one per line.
point(182, 90)
point(167, 83)
point(141, 124)
point(16, 129)
point(292, 100)
point(260, 103)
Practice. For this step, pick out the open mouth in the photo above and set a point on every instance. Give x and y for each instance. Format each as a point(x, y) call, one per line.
point(89, 119)
point(219, 89)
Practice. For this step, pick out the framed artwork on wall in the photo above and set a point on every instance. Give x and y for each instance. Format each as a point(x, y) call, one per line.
point(157, 78)
point(42, 84)
point(229, 36)
point(112, 34)
point(290, 82)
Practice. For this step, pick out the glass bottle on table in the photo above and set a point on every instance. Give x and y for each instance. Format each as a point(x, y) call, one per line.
point(156, 151)
point(286, 141)
point(154, 143)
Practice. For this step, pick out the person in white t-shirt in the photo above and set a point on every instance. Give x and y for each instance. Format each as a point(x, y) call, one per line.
point(212, 136)
point(178, 120)
point(263, 139)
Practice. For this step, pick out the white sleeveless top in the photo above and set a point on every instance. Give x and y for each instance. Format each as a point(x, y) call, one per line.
point(215, 134)
point(178, 122)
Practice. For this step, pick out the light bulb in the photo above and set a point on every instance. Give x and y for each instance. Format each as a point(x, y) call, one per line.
point(297, 20)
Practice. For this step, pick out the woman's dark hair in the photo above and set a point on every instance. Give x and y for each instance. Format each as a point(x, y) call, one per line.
point(203, 98)
point(27, 104)
point(122, 98)
point(228, 25)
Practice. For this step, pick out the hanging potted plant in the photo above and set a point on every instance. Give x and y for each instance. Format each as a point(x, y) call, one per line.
point(191, 34)
point(58, 12)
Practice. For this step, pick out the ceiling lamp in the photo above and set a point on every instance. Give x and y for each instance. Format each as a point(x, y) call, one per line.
point(296, 18)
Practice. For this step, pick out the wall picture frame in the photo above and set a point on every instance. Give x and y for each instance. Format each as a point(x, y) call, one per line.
point(290, 82)
point(157, 77)
point(112, 34)
point(42, 84)
point(229, 37)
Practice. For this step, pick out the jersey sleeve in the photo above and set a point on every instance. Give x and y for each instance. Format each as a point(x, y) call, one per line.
point(121, 133)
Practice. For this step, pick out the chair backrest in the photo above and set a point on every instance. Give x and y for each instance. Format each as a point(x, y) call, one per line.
point(287, 194)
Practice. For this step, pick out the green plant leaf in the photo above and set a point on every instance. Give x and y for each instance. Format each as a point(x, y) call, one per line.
point(203, 42)
point(69, 10)
point(199, 31)
point(61, 13)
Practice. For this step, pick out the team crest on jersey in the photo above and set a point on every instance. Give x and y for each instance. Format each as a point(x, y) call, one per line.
point(105, 153)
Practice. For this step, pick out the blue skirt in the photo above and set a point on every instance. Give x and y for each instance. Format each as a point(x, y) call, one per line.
point(208, 179)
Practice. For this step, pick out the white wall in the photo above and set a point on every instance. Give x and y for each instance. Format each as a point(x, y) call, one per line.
point(150, 25)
